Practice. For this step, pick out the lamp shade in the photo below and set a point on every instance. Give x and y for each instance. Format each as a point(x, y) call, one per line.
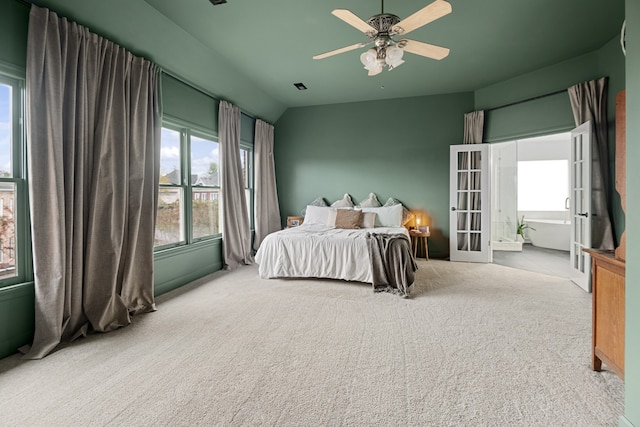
point(394, 57)
point(368, 58)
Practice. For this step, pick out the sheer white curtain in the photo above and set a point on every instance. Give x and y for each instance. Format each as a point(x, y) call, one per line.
point(589, 103)
point(93, 133)
point(267, 211)
point(236, 232)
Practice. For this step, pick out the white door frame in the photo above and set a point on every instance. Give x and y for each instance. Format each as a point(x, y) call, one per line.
point(469, 229)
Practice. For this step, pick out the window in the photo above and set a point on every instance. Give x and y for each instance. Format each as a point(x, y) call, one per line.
point(170, 219)
point(246, 162)
point(205, 188)
point(543, 185)
point(189, 201)
point(12, 183)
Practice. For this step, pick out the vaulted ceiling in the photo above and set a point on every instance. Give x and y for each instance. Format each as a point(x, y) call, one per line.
point(267, 45)
point(273, 42)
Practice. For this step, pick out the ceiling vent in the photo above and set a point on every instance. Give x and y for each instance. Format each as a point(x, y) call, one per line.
point(300, 86)
point(215, 2)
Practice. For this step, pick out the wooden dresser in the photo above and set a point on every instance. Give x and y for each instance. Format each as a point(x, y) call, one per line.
point(608, 311)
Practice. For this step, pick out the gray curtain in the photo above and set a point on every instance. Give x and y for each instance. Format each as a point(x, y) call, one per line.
point(589, 103)
point(236, 234)
point(267, 212)
point(473, 127)
point(473, 134)
point(93, 138)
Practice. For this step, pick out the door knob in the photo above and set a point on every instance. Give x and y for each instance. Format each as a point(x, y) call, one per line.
point(584, 214)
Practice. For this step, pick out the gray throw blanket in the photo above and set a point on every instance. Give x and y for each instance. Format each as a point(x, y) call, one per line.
point(392, 263)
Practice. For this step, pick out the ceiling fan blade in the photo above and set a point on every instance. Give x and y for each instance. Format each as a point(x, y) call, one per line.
point(423, 49)
point(353, 20)
point(341, 50)
point(375, 72)
point(430, 13)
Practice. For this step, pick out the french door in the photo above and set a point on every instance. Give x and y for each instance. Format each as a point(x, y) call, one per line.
point(581, 206)
point(470, 207)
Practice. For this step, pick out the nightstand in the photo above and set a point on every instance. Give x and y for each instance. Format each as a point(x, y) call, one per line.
point(294, 221)
point(419, 238)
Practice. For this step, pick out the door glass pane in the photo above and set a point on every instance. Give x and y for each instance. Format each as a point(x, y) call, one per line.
point(169, 222)
point(475, 181)
point(205, 210)
point(463, 243)
point(462, 221)
point(475, 242)
point(463, 163)
point(578, 156)
point(462, 201)
point(475, 222)
point(476, 157)
point(463, 180)
point(475, 200)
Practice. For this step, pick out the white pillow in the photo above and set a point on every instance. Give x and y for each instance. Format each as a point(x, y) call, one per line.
point(406, 214)
point(331, 217)
point(319, 201)
point(317, 215)
point(370, 202)
point(368, 219)
point(387, 216)
point(345, 202)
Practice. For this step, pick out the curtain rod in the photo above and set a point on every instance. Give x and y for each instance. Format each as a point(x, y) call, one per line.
point(526, 100)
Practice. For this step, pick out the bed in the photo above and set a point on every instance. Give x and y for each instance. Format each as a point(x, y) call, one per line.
point(320, 249)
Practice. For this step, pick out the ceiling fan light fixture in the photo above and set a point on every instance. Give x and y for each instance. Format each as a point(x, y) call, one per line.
point(381, 28)
point(394, 57)
point(369, 58)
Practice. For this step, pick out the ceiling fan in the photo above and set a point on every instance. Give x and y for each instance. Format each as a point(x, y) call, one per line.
point(383, 27)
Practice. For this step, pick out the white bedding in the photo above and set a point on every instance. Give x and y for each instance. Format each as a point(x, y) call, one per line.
point(315, 250)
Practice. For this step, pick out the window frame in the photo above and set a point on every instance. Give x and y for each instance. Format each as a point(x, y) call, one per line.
point(187, 130)
point(249, 189)
point(14, 78)
point(207, 135)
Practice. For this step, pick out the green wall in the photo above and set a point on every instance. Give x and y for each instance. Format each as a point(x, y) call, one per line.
point(145, 31)
point(394, 148)
point(632, 340)
point(14, 19)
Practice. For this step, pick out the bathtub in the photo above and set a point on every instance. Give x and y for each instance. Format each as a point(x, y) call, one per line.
point(550, 233)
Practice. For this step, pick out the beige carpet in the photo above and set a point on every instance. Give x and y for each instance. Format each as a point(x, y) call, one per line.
point(480, 345)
